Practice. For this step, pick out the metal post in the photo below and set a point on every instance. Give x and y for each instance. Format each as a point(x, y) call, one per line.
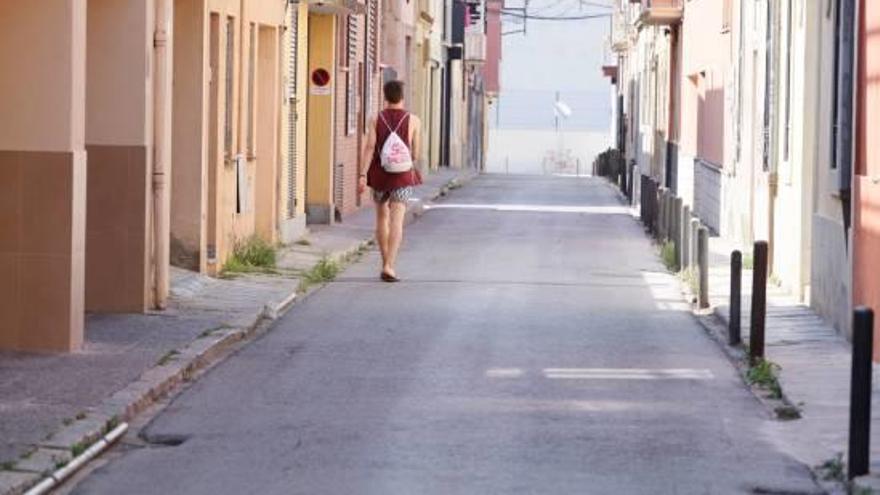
point(759, 302)
point(643, 189)
point(676, 230)
point(703, 261)
point(661, 216)
point(860, 393)
point(734, 330)
point(695, 234)
point(685, 259)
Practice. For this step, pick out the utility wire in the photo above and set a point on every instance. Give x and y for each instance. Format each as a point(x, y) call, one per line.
point(555, 18)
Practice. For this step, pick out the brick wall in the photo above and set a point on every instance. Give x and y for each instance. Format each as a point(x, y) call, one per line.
point(347, 143)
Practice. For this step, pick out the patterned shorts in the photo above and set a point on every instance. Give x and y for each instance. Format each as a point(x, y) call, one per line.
point(400, 195)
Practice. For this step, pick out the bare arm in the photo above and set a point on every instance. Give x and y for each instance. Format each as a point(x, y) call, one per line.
point(415, 136)
point(369, 145)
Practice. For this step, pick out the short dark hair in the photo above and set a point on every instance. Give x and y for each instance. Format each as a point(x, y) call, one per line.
point(393, 91)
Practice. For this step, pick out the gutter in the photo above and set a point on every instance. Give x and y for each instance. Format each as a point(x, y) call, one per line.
point(161, 153)
point(62, 474)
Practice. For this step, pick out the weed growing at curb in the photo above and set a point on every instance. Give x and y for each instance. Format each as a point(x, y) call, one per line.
point(764, 376)
point(303, 242)
point(211, 331)
point(77, 449)
point(168, 357)
point(81, 416)
point(667, 253)
point(689, 276)
point(833, 469)
point(111, 424)
point(325, 271)
point(253, 255)
point(7, 466)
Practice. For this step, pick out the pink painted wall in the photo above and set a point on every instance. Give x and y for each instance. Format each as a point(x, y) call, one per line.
point(705, 60)
point(866, 225)
point(493, 46)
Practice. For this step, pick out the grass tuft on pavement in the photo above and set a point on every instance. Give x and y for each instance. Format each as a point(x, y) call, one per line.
point(763, 375)
point(324, 271)
point(667, 254)
point(833, 469)
point(253, 255)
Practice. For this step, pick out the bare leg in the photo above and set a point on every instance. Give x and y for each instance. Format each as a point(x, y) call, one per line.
point(383, 215)
point(395, 235)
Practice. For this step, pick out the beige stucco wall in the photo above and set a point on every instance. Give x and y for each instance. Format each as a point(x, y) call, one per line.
point(190, 135)
point(47, 99)
point(42, 174)
point(119, 87)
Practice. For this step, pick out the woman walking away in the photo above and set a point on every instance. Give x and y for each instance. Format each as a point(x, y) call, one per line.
point(388, 155)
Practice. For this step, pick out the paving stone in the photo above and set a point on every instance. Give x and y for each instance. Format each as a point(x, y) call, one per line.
point(15, 483)
point(44, 460)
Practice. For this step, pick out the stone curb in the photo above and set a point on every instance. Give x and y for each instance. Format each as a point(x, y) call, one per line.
point(715, 323)
point(175, 368)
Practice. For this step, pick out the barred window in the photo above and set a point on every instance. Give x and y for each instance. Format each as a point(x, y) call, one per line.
point(252, 90)
point(351, 79)
point(230, 67)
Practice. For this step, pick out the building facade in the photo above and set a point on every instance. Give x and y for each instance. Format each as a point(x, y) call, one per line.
point(740, 108)
point(865, 128)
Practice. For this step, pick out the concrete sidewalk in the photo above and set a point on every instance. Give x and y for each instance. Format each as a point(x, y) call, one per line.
point(815, 362)
point(53, 405)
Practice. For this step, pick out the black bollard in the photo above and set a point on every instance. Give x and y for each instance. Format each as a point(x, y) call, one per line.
point(759, 302)
point(860, 393)
point(734, 331)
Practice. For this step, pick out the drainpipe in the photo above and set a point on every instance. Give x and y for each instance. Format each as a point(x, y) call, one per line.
point(161, 151)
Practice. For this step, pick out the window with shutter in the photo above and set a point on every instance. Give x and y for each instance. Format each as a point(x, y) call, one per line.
point(845, 92)
point(371, 32)
point(351, 79)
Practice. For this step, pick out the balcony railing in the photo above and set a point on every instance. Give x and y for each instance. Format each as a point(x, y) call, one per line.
point(620, 32)
point(660, 12)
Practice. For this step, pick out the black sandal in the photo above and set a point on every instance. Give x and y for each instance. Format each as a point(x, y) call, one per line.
point(387, 277)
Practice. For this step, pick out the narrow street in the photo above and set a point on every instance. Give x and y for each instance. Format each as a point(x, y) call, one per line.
point(536, 345)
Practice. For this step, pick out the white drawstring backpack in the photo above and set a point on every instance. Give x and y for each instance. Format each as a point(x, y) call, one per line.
point(395, 155)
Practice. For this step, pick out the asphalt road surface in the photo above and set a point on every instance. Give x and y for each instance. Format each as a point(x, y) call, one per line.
point(536, 345)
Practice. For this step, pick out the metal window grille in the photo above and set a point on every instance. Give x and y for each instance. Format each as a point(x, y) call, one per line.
point(292, 81)
point(252, 90)
point(230, 62)
point(351, 79)
point(786, 145)
point(834, 84)
point(769, 93)
point(371, 33)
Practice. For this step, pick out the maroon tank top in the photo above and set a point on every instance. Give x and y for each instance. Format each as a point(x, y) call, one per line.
point(377, 177)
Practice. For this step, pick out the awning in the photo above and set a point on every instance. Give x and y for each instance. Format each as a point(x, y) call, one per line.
point(609, 71)
point(337, 6)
